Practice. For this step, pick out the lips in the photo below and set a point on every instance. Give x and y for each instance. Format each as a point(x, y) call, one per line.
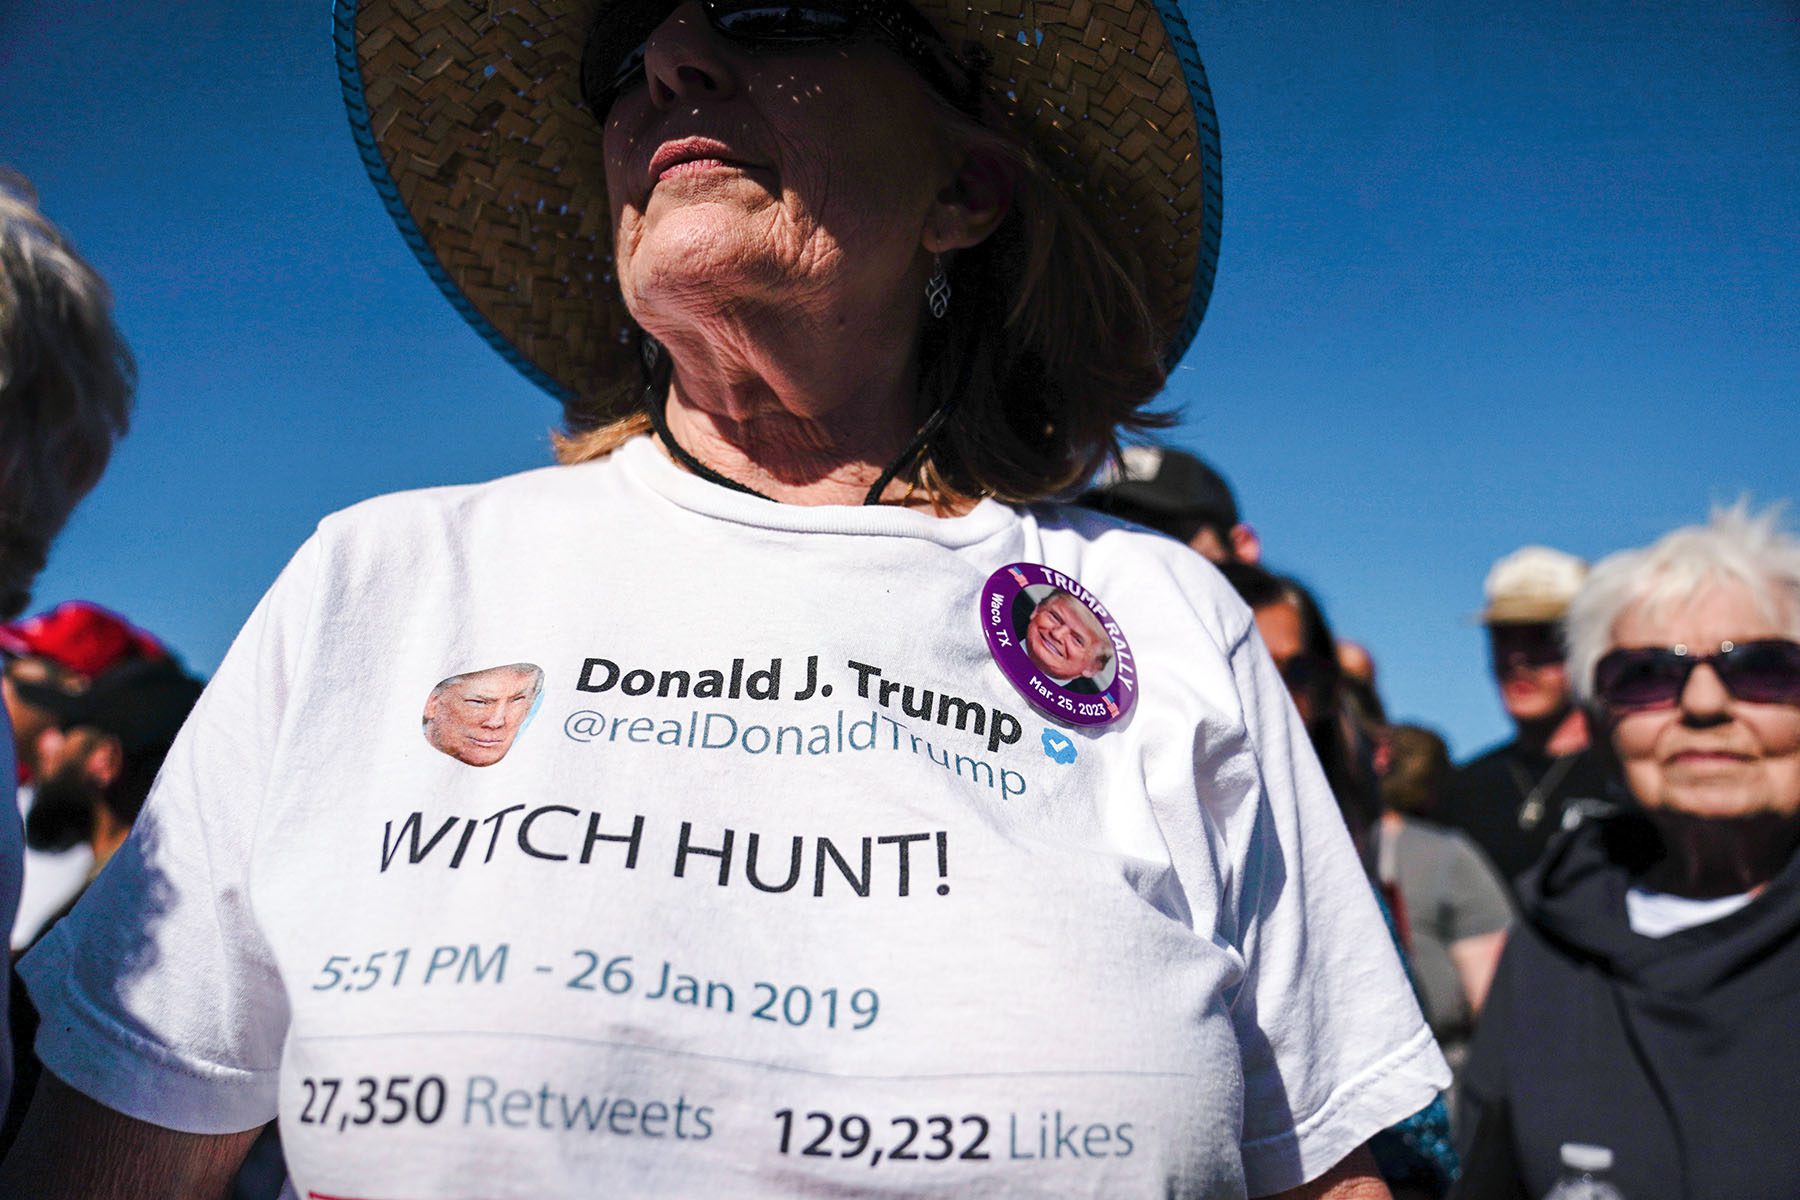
point(1703, 757)
point(673, 154)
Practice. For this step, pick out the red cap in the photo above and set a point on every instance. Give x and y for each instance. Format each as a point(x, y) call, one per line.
point(81, 636)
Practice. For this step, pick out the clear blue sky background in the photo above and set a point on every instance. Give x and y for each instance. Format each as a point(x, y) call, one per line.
point(1494, 271)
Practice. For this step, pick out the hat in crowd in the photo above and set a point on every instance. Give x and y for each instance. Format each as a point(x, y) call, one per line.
point(142, 703)
point(1167, 482)
point(1533, 585)
point(470, 121)
point(80, 636)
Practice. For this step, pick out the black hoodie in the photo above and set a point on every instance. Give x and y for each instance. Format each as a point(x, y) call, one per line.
point(1680, 1053)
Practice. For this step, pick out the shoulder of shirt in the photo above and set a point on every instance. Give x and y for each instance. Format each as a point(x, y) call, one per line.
point(396, 512)
point(1110, 555)
point(1424, 830)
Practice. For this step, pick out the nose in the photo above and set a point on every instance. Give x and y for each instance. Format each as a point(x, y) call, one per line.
point(1704, 698)
point(495, 718)
point(685, 62)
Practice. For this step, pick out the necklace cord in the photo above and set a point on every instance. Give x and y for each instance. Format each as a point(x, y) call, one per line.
point(657, 406)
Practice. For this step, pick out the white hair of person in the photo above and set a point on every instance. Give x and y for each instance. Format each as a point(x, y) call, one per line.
point(1735, 547)
point(66, 379)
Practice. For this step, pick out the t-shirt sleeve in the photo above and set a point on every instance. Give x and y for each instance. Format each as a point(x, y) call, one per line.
point(1478, 899)
point(1333, 1045)
point(158, 994)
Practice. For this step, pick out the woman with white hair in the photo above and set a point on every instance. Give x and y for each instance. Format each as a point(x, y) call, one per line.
point(1649, 1001)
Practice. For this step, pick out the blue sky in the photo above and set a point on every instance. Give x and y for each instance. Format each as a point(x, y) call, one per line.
point(1492, 273)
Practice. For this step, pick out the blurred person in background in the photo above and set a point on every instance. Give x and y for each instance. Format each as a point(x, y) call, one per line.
point(52, 658)
point(1511, 799)
point(1300, 641)
point(66, 380)
point(1452, 905)
point(1415, 1156)
point(1173, 492)
point(1649, 1000)
point(102, 748)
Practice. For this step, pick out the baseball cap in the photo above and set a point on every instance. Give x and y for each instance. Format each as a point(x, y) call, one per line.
point(1164, 480)
point(81, 636)
point(1533, 585)
point(143, 703)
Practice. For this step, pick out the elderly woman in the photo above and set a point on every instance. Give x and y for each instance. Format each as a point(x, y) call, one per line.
point(1649, 1000)
point(804, 880)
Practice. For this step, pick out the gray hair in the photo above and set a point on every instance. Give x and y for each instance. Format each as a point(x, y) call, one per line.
point(1736, 546)
point(66, 379)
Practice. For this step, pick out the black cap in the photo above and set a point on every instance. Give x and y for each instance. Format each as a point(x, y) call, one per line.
point(1165, 482)
point(143, 704)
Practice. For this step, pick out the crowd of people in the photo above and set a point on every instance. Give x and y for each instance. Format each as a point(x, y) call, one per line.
point(1107, 871)
point(1634, 840)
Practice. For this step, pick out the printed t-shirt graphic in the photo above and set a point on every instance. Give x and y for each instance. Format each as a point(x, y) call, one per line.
point(475, 716)
point(783, 890)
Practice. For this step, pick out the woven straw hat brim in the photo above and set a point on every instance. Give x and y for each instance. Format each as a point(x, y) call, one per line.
point(469, 119)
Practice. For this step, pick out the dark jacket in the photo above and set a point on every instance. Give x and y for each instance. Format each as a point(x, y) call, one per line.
point(1681, 1053)
point(1486, 799)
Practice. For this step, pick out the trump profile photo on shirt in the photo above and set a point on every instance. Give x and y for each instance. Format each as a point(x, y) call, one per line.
point(1064, 639)
point(476, 716)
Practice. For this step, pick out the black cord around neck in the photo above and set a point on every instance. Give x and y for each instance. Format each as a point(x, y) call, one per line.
point(657, 406)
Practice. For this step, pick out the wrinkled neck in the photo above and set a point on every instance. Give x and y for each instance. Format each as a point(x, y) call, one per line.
point(802, 407)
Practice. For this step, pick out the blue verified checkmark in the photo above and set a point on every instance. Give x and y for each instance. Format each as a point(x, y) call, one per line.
point(1059, 747)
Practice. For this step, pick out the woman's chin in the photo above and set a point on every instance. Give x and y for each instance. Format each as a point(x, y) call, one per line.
point(1723, 800)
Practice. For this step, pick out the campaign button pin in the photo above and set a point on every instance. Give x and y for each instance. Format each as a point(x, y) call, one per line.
point(1058, 645)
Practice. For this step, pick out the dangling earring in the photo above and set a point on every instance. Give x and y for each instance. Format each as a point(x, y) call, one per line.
point(650, 349)
point(937, 289)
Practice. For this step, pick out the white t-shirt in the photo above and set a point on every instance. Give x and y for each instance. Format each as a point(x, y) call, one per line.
point(781, 872)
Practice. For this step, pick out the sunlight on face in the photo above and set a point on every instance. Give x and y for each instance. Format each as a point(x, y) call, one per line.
point(799, 178)
point(1710, 754)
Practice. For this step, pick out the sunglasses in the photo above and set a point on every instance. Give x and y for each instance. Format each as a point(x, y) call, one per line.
point(1304, 671)
point(1765, 672)
point(613, 60)
point(1515, 646)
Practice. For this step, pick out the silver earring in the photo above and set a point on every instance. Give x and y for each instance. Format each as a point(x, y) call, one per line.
point(937, 289)
point(651, 349)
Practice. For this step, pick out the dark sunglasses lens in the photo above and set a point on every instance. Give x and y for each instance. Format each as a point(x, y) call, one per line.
point(1640, 678)
point(1300, 671)
point(1762, 672)
point(789, 23)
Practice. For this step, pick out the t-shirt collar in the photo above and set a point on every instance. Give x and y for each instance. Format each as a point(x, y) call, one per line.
point(646, 463)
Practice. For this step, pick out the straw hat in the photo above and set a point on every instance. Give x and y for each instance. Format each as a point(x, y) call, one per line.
point(468, 115)
point(1534, 585)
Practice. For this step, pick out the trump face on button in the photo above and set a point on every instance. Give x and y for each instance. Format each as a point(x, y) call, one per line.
point(1065, 640)
point(474, 717)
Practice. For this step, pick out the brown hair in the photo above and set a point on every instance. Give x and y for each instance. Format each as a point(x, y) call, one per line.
point(1418, 769)
point(66, 379)
point(1048, 352)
